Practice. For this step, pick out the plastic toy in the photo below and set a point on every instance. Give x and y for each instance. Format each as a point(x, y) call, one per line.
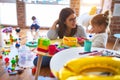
point(13, 68)
point(70, 41)
point(5, 51)
point(17, 45)
point(52, 49)
point(33, 70)
point(43, 44)
point(91, 68)
point(17, 30)
point(60, 48)
point(7, 42)
point(9, 70)
point(17, 59)
point(13, 61)
point(1, 56)
point(11, 40)
point(32, 44)
point(6, 60)
point(7, 30)
point(13, 73)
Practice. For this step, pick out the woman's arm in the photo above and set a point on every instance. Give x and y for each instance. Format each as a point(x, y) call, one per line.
point(52, 33)
point(81, 32)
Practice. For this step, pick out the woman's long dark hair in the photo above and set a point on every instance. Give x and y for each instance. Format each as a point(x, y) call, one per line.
point(64, 14)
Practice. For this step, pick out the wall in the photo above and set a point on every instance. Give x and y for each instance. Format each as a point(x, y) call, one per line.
point(115, 22)
point(21, 14)
point(75, 4)
point(10, 1)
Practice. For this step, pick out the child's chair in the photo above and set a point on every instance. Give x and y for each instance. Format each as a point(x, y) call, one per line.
point(117, 36)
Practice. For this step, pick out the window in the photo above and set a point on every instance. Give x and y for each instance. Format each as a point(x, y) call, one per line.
point(86, 5)
point(45, 13)
point(85, 8)
point(6, 16)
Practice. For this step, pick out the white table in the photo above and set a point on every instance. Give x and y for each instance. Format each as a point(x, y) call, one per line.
point(58, 60)
point(117, 36)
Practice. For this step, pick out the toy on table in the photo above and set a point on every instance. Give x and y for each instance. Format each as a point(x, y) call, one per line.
point(43, 44)
point(102, 53)
point(60, 47)
point(110, 53)
point(52, 49)
point(70, 41)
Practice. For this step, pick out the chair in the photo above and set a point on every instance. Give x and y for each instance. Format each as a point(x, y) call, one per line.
point(117, 36)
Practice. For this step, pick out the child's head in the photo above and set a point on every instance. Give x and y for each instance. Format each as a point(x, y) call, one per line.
point(99, 23)
point(33, 17)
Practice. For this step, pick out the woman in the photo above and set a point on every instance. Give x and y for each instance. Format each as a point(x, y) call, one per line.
point(66, 26)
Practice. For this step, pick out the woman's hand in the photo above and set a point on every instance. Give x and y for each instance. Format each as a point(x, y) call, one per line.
point(54, 25)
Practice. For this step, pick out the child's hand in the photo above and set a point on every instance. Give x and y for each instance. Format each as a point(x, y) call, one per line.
point(81, 40)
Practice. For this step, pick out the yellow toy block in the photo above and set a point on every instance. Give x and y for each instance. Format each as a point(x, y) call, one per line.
point(70, 41)
point(43, 44)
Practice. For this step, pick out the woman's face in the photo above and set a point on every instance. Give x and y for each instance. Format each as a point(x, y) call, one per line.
point(71, 21)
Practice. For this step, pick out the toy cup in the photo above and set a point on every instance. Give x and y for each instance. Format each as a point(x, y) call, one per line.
point(52, 49)
point(87, 45)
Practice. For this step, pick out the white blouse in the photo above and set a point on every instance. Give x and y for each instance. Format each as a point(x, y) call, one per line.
point(99, 40)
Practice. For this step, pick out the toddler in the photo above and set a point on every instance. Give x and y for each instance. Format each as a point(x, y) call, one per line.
point(99, 25)
point(34, 27)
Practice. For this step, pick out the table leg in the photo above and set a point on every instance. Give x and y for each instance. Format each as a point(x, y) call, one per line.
point(38, 66)
point(115, 43)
